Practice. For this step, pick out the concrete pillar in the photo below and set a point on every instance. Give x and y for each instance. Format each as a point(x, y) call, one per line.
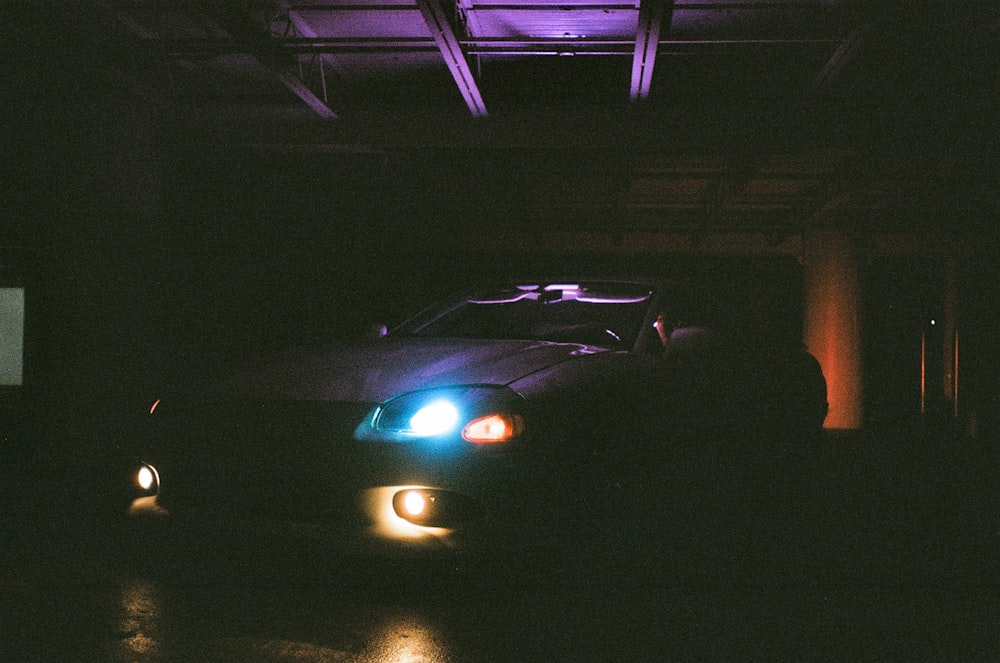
point(831, 328)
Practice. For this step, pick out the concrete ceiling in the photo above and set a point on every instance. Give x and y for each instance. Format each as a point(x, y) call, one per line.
point(340, 58)
point(699, 115)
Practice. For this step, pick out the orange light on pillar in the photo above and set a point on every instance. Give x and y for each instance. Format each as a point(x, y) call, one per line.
point(831, 328)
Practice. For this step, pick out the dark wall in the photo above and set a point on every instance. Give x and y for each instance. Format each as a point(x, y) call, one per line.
point(81, 211)
point(979, 347)
point(902, 297)
point(264, 251)
point(904, 320)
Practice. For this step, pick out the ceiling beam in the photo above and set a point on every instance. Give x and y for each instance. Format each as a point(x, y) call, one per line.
point(841, 57)
point(647, 40)
point(306, 30)
point(244, 29)
point(451, 50)
point(472, 45)
point(303, 92)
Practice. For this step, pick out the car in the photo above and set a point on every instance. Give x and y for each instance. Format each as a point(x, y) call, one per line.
point(511, 417)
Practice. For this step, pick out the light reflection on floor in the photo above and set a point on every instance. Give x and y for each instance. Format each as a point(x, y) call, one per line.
point(139, 626)
point(404, 639)
point(127, 618)
point(158, 621)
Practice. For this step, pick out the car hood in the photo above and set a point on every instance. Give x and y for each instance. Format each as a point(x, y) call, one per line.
point(375, 371)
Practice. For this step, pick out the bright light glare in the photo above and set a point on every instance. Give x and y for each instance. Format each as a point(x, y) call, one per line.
point(388, 524)
point(434, 419)
point(414, 503)
point(145, 478)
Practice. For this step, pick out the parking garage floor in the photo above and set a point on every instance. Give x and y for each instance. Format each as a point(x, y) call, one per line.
point(908, 571)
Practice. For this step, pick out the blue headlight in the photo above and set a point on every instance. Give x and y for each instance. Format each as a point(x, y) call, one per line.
point(435, 418)
point(428, 413)
point(445, 413)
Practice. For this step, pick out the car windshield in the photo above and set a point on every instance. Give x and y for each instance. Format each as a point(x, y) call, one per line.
point(608, 315)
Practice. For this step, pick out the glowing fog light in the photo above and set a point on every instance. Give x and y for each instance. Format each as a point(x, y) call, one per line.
point(434, 419)
point(146, 478)
point(414, 503)
point(435, 507)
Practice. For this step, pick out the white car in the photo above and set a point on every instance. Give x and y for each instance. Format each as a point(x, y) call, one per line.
point(510, 416)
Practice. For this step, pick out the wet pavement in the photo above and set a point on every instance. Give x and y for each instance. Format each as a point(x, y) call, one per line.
point(128, 618)
point(907, 570)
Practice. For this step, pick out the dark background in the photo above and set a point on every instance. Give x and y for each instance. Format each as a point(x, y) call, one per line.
point(155, 245)
point(159, 238)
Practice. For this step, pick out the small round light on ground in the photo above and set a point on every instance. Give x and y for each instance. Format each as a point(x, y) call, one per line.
point(145, 477)
point(414, 503)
